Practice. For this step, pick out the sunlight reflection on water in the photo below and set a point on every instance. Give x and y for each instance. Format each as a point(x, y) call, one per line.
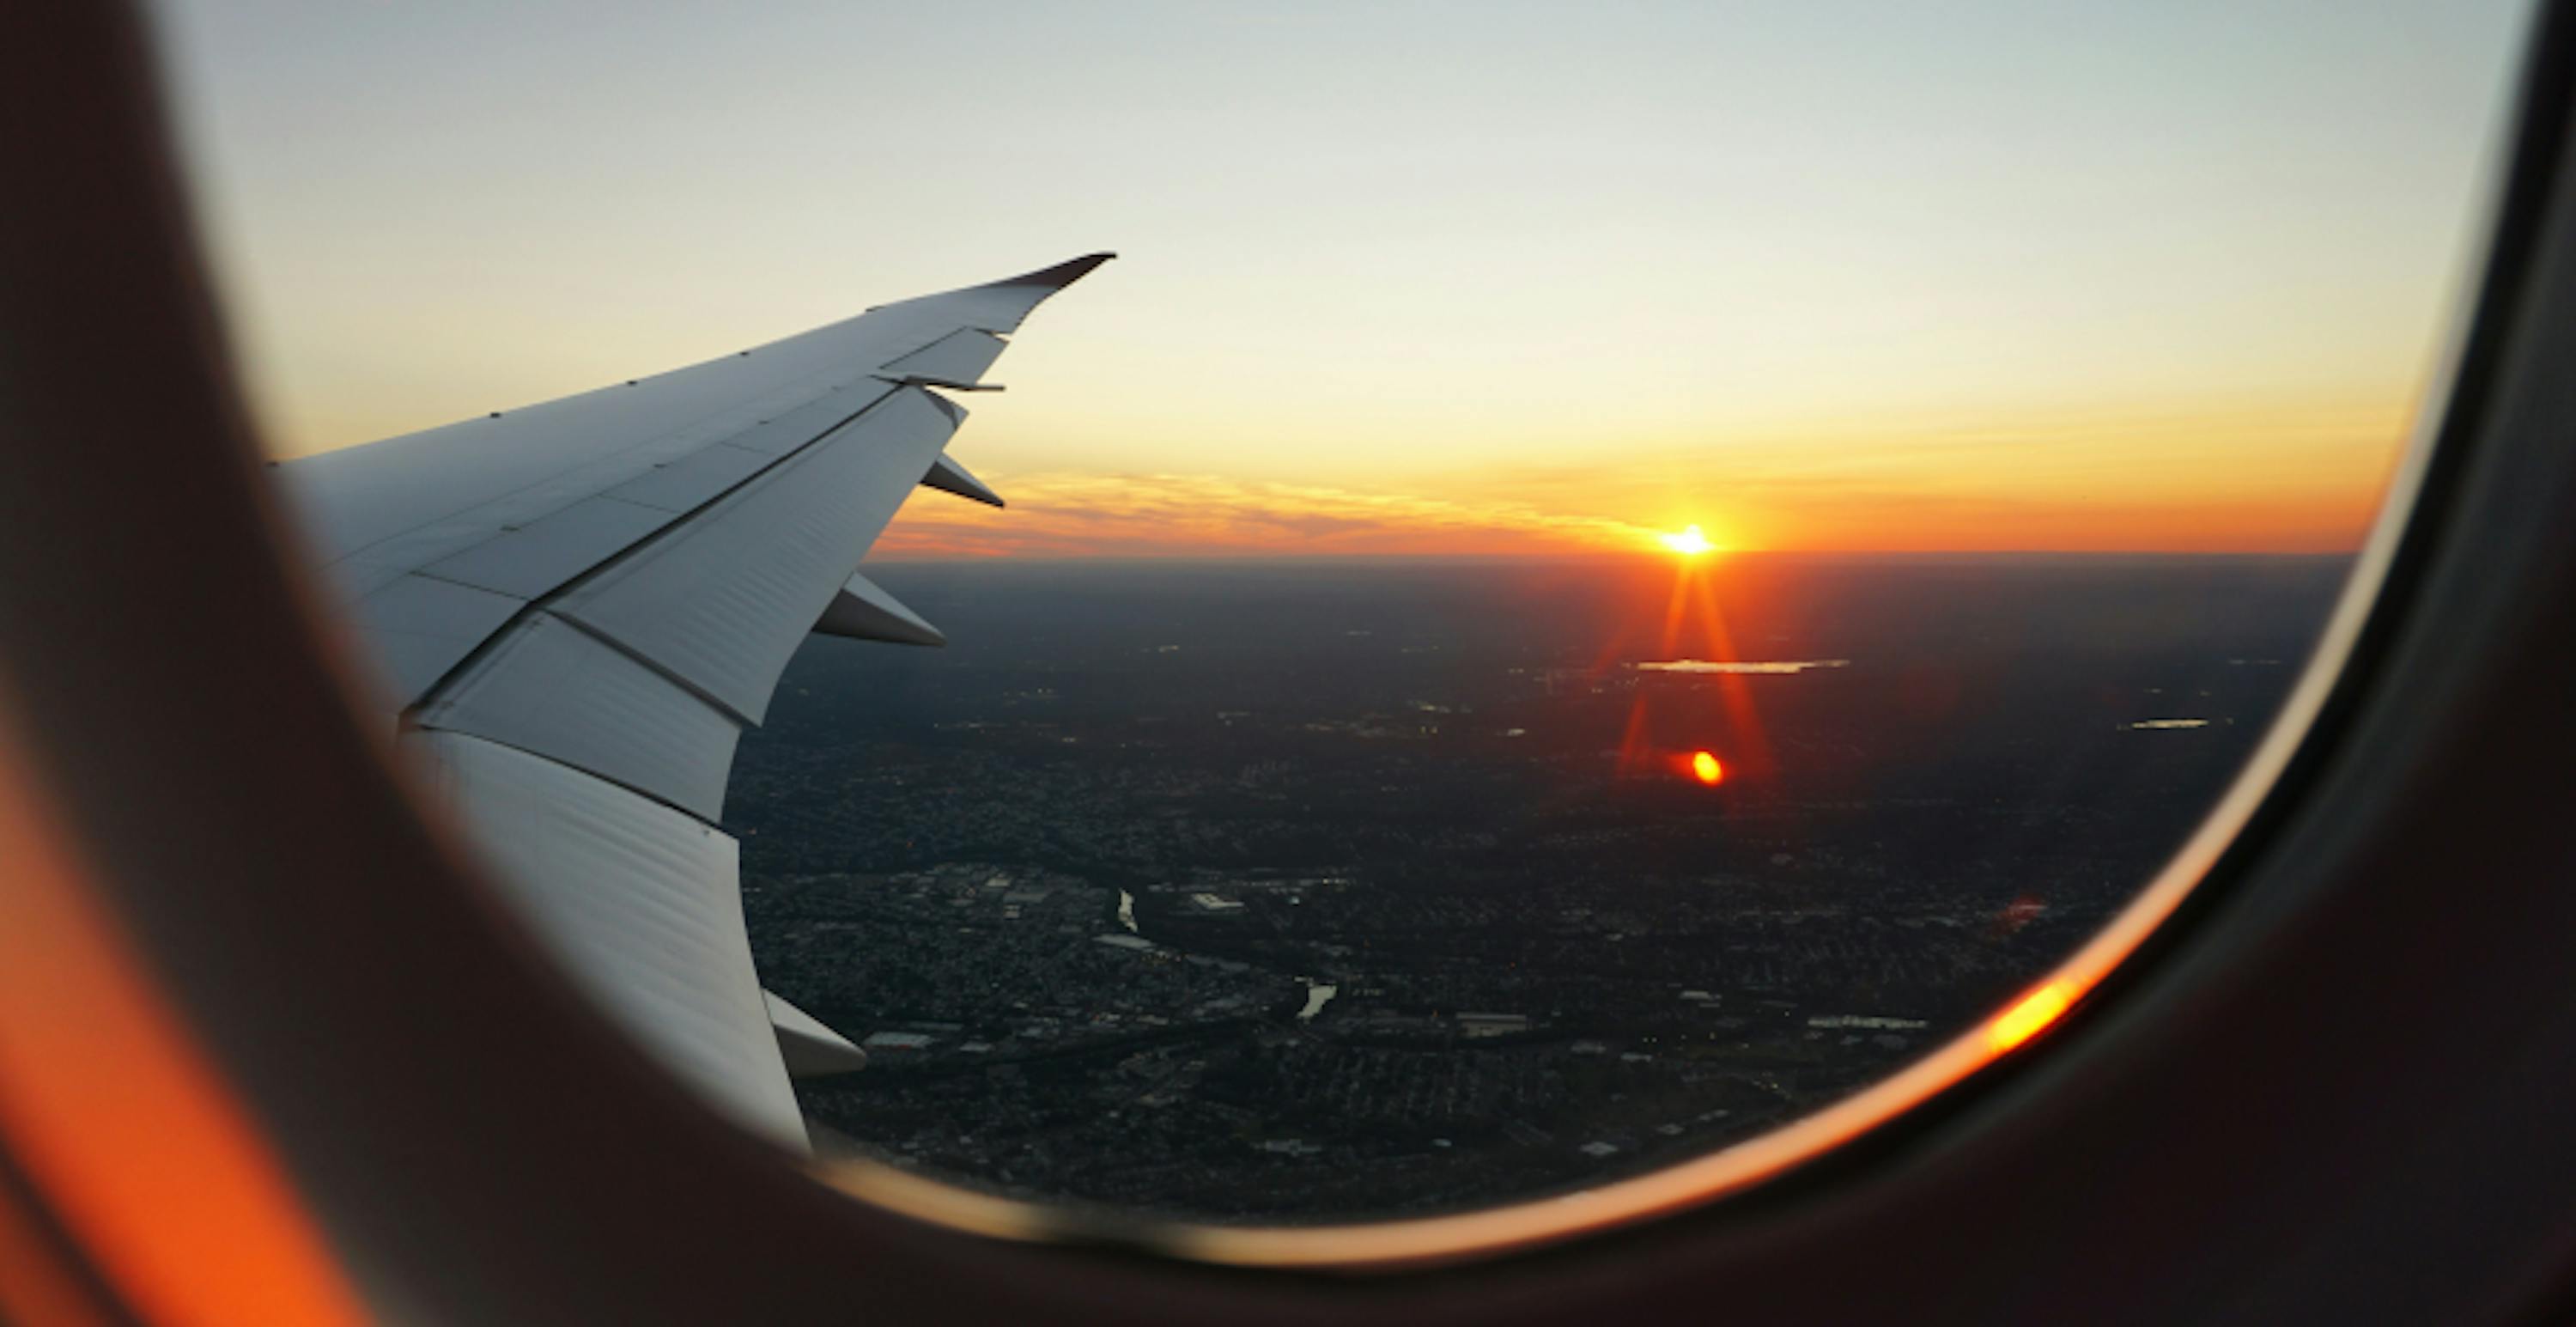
point(1739, 666)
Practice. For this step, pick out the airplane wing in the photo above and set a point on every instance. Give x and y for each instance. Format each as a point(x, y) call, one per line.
point(577, 607)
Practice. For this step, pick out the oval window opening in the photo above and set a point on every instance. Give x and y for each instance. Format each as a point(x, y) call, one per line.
point(1596, 609)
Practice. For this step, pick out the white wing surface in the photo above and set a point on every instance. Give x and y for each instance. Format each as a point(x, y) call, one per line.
point(577, 607)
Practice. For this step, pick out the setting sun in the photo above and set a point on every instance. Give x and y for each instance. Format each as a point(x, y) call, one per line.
point(1704, 767)
point(1689, 543)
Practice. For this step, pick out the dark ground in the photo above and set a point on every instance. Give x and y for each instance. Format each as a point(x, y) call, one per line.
point(1446, 790)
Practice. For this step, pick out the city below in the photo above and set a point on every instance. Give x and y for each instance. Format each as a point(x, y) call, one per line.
point(1280, 892)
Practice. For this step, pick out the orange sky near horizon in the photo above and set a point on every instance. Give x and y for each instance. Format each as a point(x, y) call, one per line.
point(2262, 482)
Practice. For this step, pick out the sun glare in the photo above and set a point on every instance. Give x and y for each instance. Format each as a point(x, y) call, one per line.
point(1704, 767)
point(1689, 543)
point(2027, 1017)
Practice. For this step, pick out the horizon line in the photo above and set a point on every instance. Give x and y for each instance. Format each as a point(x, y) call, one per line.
point(1641, 556)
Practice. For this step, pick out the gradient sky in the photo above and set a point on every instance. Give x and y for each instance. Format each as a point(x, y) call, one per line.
point(1425, 277)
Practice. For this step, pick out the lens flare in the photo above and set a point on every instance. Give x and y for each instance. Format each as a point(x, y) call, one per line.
point(2029, 1015)
point(1704, 767)
point(1689, 543)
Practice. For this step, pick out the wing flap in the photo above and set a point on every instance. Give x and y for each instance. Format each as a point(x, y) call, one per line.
point(419, 627)
point(723, 601)
point(644, 906)
point(550, 688)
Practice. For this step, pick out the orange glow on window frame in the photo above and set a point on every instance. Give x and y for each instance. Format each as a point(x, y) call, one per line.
point(2030, 1015)
point(128, 1134)
point(35, 1285)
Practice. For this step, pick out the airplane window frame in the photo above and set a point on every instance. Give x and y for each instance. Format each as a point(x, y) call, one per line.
point(203, 815)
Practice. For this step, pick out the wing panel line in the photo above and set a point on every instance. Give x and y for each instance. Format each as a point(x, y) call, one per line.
point(540, 604)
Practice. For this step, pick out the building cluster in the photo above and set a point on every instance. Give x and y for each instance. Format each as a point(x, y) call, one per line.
point(1394, 959)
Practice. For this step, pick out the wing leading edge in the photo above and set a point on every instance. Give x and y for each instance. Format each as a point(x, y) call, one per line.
point(577, 607)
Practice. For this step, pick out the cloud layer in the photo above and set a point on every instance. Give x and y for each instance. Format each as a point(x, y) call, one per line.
point(1158, 515)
